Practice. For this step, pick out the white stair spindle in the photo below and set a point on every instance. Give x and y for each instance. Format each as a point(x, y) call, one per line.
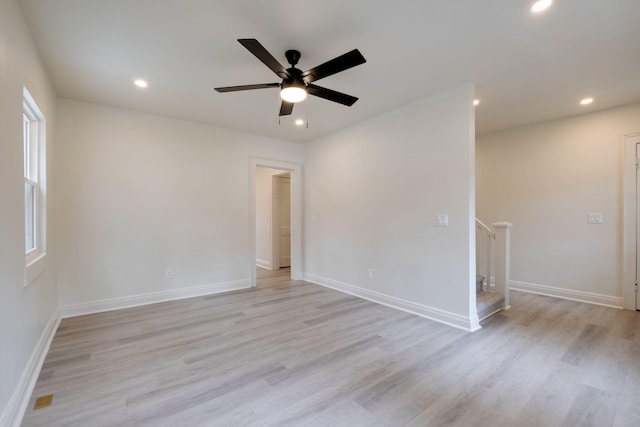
point(502, 259)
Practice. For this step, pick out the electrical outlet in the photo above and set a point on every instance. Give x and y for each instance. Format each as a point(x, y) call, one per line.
point(169, 273)
point(594, 218)
point(442, 220)
point(370, 273)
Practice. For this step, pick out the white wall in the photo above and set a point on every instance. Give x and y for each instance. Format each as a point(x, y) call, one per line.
point(142, 193)
point(264, 211)
point(24, 312)
point(372, 194)
point(545, 179)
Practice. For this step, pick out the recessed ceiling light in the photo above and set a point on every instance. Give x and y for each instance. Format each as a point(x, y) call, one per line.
point(476, 102)
point(299, 122)
point(140, 83)
point(541, 6)
point(586, 101)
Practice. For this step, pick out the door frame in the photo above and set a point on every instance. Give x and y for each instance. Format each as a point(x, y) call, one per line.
point(630, 222)
point(275, 218)
point(295, 169)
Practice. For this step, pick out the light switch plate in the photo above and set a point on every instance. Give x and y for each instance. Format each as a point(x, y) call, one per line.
point(594, 218)
point(442, 220)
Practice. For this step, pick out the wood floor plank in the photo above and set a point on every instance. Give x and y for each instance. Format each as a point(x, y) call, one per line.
point(294, 353)
point(591, 408)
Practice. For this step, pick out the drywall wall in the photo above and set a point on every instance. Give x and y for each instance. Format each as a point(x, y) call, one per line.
point(24, 311)
point(372, 194)
point(264, 211)
point(545, 179)
point(140, 194)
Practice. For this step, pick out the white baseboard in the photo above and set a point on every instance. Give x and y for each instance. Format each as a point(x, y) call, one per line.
point(72, 310)
point(581, 296)
point(14, 412)
point(442, 316)
point(263, 263)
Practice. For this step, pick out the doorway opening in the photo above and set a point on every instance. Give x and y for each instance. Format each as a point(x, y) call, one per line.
point(273, 226)
point(276, 228)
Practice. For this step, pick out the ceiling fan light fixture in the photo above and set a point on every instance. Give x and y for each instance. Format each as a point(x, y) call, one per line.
point(293, 92)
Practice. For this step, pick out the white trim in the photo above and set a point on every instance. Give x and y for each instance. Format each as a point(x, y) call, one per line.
point(14, 412)
point(37, 176)
point(570, 294)
point(296, 212)
point(629, 221)
point(431, 313)
point(72, 310)
point(35, 268)
point(263, 263)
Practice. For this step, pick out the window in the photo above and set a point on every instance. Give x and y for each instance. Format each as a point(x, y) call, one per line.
point(30, 186)
point(33, 132)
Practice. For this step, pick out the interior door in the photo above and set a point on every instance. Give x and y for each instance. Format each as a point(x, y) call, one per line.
point(284, 212)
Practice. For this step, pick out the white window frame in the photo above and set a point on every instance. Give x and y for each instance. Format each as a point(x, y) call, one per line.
point(34, 140)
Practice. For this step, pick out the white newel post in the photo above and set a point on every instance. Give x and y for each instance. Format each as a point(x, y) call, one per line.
point(502, 259)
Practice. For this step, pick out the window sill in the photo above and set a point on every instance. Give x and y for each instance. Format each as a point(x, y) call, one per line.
point(34, 268)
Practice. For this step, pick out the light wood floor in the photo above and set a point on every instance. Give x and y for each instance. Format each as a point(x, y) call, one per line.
point(295, 353)
point(267, 278)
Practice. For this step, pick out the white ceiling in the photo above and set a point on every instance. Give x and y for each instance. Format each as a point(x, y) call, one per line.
point(526, 68)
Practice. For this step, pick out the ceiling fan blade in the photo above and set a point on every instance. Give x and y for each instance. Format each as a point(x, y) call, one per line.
point(336, 65)
point(263, 55)
point(286, 108)
point(331, 95)
point(246, 87)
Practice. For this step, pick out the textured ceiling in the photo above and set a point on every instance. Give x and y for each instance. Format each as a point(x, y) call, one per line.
point(526, 68)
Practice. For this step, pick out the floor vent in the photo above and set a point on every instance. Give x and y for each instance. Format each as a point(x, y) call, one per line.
point(43, 401)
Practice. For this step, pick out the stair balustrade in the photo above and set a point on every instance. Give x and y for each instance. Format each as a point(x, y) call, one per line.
point(493, 258)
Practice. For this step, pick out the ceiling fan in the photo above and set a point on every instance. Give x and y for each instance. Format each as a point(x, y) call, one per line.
point(296, 84)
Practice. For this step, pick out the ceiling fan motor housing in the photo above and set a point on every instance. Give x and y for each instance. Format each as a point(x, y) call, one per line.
point(293, 83)
point(295, 80)
point(293, 56)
